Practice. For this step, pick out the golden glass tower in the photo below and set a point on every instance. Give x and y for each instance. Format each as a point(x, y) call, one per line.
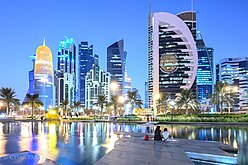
point(43, 75)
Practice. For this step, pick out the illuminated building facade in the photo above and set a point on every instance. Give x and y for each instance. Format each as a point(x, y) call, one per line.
point(116, 65)
point(97, 83)
point(205, 71)
point(146, 95)
point(234, 71)
point(66, 73)
point(85, 63)
point(43, 76)
point(172, 54)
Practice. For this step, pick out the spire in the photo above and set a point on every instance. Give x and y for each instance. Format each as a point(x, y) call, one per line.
point(44, 41)
point(150, 14)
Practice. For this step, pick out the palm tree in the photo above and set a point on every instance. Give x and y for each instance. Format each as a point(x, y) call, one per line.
point(77, 105)
point(34, 101)
point(101, 101)
point(220, 96)
point(133, 100)
point(8, 95)
point(65, 104)
point(163, 101)
point(114, 102)
point(186, 99)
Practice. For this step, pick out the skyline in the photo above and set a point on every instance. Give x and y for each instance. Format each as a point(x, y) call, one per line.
point(24, 26)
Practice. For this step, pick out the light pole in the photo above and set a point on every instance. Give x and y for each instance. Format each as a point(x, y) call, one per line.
point(172, 103)
point(114, 87)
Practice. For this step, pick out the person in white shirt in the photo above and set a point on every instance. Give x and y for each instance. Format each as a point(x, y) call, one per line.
point(165, 135)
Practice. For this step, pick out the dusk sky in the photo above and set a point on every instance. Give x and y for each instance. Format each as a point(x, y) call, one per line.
point(24, 24)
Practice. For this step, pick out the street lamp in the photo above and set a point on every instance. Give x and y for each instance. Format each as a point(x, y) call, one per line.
point(172, 103)
point(113, 87)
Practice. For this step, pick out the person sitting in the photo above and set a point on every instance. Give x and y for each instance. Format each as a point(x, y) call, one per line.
point(157, 134)
point(165, 135)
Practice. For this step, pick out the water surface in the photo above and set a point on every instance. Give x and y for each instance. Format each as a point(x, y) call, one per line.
point(84, 143)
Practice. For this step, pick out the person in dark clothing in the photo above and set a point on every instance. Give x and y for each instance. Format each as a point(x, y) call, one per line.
point(157, 134)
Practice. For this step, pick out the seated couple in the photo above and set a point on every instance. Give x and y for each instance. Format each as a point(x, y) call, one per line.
point(161, 136)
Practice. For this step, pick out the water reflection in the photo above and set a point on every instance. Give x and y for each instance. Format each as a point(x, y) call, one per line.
point(84, 143)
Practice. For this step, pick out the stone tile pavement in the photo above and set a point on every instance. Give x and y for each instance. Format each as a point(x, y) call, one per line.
point(136, 151)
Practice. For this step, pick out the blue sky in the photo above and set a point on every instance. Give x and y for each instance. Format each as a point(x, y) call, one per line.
point(24, 24)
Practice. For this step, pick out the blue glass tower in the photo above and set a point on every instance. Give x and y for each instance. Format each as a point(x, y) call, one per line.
point(66, 74)
point(85, 60)
point(205, 74)
point(116, 65)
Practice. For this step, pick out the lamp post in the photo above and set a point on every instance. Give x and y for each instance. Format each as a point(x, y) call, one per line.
point(113, 87)
point(172, 103)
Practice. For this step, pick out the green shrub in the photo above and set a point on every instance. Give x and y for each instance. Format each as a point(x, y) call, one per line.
point(203, 118)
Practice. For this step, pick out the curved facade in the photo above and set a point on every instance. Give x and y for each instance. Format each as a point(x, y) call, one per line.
point(43, 75)
point(172, 55)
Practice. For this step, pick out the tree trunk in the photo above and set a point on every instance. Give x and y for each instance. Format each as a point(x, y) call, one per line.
point(221, 107)
point(187, 110)
point(8, 109)
point(32, 113)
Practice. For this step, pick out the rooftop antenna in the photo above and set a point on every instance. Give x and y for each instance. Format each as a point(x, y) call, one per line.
point(192, 9)
point(150, 13)
point(44, 41)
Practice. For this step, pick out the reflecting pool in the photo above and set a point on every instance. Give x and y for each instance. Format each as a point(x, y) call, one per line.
point(85, 143)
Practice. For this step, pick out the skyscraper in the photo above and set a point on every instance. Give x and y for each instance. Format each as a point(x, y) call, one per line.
point(116, 65)
point(43, 75)
point(97, 83)
point(234, 71)
point(66, 73)
point(146, 95)
point(205, 71)
point(85, 62)
point(172, 54)
point(31, 76)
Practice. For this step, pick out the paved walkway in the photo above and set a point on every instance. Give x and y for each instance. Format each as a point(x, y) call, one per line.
point(136, 151)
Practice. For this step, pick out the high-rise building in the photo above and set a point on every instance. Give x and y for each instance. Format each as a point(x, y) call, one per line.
point(172, 54)
point(116, 65)
point(97, 82)
point(146, 95)
point(31, 78)
point(85, 62)
point(205, 71)
point(234, 71)
point(127, 83)
point(66, 73)
point(43, 75)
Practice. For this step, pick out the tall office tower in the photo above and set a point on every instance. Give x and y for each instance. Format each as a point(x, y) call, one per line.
point(43, 75)
point(127, 80)
point(205, 71)
point(115, 65)
point(146, 95)
point(172, 55)
point(85, 62)
point(97, 82)
point(234, 71)
point(66, 73)
point(31, 78)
